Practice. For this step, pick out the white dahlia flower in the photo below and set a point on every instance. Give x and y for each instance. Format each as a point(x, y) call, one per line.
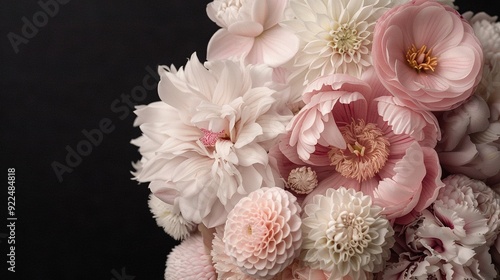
point(345, 234)
point(335, 36)
point(205, 145)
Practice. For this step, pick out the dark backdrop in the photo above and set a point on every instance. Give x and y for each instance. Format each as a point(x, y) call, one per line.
point(68, 77)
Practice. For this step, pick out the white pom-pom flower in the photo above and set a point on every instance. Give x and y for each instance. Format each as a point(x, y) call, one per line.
point(169, 218)
point(190, 261)
point(262, 234)
point(345, 234)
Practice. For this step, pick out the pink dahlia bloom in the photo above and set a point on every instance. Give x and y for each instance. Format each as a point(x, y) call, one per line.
point(251, 30)
point(262, 233)
point(189, 260)
point(204, 146)
point(369, 141)
point(427, 55)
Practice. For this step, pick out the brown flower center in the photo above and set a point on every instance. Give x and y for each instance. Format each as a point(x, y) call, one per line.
point(421, 59)
point(366, 153)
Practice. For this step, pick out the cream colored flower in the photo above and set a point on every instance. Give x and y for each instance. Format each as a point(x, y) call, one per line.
point(170, 219)
point(335, 36)
point(345, 234)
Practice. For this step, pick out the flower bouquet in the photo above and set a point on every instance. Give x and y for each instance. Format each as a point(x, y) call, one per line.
point(330, 139)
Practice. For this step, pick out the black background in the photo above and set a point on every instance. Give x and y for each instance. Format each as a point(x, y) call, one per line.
point(95, 224)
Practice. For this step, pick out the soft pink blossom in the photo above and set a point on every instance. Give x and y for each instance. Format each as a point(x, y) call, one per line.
point(251, 30)
point(262, 234)
point(427, 55)
point(204, 145)
point(189, 260)
point(369, 141)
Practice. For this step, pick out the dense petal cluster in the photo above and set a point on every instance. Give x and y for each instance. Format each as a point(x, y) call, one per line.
point(262, 234)
point(345, 234)
point(205, 144)
point(189, 260)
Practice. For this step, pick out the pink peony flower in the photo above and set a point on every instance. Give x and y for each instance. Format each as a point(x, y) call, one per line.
point(262, 234)
point(189, 260)
point(205, 145)
point(369, 141)
point(251, 30)
point(427, 55)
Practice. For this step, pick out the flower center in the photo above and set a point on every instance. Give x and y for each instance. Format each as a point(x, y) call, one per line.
point(302, 180)
point(348, 235)
point(345, 39)
point(366, 153)
point(209, 138)
point(421, 59)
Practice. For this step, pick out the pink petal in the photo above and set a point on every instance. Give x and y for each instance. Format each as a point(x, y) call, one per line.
point(224, 45)
point(274, 47)
point(246, 28)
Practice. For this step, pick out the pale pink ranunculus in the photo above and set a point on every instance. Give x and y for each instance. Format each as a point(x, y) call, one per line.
point(369, 141)
point(263, 233)
point(427, 55)
point(251, 30)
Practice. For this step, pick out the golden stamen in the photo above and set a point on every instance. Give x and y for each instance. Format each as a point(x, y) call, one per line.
point(421, 59)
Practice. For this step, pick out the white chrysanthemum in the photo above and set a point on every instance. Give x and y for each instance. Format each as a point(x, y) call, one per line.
point(169, 219)
point(462, 190)
point(335, 36)
point(189, 260)
point(262, 234)
point(345, 234)
point(204, 146)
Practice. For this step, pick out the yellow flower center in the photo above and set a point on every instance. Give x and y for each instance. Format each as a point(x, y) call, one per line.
point(421, 59)
point(366, 153)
